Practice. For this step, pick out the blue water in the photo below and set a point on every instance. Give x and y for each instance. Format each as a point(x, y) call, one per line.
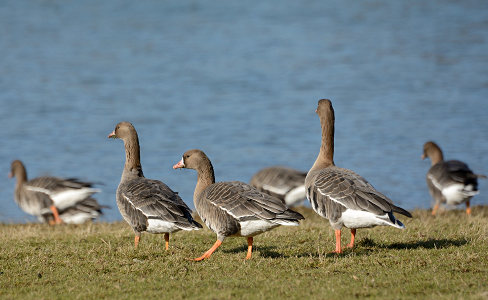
point(241, 81)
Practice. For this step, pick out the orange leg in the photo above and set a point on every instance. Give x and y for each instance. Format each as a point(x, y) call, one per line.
point(434, 210)
point(166, 239)
point(136, 240)
point(57, 220)
point(249, 247)
point(338, 241)
point(209, 251)
point(353, 235)
point(468, 209)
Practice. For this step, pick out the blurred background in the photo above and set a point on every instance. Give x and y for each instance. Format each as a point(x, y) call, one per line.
point(241, 80)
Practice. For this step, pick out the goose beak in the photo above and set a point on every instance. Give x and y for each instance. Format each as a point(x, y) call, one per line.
point(423, 156)
point(179, 165)
point(10, 175)
point(112, 135)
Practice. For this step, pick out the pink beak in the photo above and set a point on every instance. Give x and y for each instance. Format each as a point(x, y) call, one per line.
point(179, 165)
point(112, 135)
point(10, 175)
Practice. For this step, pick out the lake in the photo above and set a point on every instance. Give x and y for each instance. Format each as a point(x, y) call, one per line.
point(241, 80)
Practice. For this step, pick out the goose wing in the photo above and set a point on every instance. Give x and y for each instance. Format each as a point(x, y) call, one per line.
point(57, 184)
point(460, 172)
point(245, 202)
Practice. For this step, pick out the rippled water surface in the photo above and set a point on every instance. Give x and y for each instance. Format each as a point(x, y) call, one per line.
point(241, 81)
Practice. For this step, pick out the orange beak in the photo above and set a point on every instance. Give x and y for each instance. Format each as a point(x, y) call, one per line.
point(179, 165)
point(112, 135)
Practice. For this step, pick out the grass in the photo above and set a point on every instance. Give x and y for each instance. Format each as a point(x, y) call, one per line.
point(435, 257)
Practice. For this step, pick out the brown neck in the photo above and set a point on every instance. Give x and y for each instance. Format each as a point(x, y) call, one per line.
point(435, 155)
point(132, 167)
point(21, 175)
point(205, 178)
point(326, 154)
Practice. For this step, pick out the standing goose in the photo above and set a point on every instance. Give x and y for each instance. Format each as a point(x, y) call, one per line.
point(233, 208)
point(451, 181)
point(52, 199)
point(342, 196)
point(281, 182)
point(147, 204)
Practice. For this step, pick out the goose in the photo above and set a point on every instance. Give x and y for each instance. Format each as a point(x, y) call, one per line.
point(51, 198)
point(451, 182)
point(341, 195)
point(233, 208)
point(87, 209)
point(147, 204)
point(281, 182)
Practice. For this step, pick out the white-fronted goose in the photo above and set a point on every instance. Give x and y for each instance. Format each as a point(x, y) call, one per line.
point(451, 181)
point(281, 182)
point(87, 209)
point(233, 208)
point(53, 199)
point(342, 196)
point(147, 204)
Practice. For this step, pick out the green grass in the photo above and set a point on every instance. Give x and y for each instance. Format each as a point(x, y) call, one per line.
point(435, 257)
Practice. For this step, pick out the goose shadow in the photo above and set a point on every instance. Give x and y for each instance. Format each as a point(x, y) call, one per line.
point(425, 244)
point(269, 252)
point(367, 246)
point(364, 247)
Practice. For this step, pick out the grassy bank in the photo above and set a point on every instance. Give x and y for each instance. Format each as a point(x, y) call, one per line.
point(441, 257)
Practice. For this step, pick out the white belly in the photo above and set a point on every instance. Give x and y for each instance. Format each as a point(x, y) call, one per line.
point(363, 219)
point(255, 227)
point(160, 226)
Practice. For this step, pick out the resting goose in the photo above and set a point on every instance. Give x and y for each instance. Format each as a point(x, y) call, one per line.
point(451, 181)
point(281, 182)
point(233, 208)
point(87, 209)
point(147, 204)
point(342, 196)
point(52, 199)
